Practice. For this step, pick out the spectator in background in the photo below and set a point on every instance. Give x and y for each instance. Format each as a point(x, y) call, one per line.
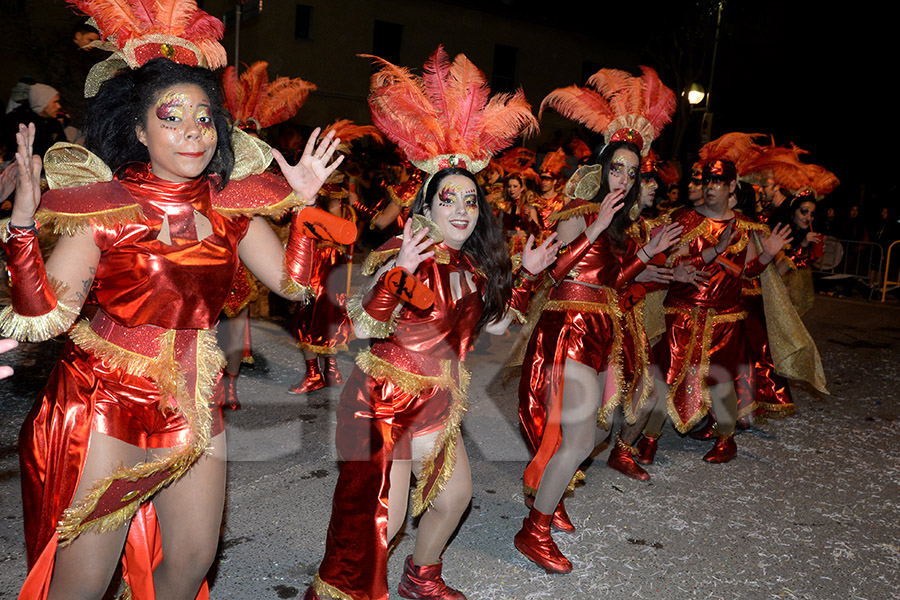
point(68, 68)
point(42, 109)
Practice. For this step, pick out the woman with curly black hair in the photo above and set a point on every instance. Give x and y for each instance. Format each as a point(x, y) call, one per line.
point(122, 445)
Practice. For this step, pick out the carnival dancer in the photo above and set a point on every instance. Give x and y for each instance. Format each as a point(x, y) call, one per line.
point(572, 373)
point(642, 321)
point(122, 447)
point(550, 200)
point(704, 351)
point(255, 104)
point(322, 326)
point(448, 278)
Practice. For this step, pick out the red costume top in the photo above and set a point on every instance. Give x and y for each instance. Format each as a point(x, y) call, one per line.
point(168, 257)
point(704, 326)
point(582, 322)
point(547, 209)
point(322, 326)
point(410, 383)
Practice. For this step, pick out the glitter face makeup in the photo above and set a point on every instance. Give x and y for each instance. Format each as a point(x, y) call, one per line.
point(455, 210)
point(179, 134)
point(624, 169)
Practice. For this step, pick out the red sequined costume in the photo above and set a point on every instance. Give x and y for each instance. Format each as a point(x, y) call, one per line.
point(545, 208)
point(322, 326)
point(582, 322)
point(143, 369)
point(705, 340)
point(410, 383)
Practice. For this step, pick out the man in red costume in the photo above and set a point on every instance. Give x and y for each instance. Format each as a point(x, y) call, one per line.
point(704, 350)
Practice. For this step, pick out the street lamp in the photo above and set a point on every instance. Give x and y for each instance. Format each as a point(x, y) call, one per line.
point(695, 94)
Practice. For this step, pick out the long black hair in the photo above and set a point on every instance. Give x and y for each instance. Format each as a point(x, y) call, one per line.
point(485, 247)
point(621, 221)
point(122, 104)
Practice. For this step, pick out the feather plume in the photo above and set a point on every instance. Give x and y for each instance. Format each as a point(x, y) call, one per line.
point(554, 162)
point(347, 131)
point(252, 100)
point(447, 111)
point(737, 147)
point(613, 98)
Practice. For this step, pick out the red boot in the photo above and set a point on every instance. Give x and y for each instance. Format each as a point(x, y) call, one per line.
point(561, 521)
point(313, 380)
point(425, 583)
point(536, 543)
point(621, 458)
point(230, 385)
point(311, 594)
point(724, 450)
point(646, 449)
point(707, 431)
point(333, 375)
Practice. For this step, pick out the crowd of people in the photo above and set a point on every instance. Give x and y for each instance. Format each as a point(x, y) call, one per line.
point(641, 301)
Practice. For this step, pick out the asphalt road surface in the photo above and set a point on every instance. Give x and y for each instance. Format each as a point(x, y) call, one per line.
point(810, 508)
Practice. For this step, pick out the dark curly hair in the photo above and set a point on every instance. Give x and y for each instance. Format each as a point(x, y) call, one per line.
point(122, 104)
point(621, 221)
point(486, 247)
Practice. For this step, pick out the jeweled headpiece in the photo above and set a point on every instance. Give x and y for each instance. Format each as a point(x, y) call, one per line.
point(257, 103)
point(136, 31)
point(446, 118)
point(618, 105)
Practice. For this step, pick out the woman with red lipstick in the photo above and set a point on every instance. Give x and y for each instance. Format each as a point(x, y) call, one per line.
point(122, 449)
point(446, 279)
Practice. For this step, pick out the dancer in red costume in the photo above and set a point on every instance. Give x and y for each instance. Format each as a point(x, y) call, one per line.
point(254, 104)
point(445, 280)
point(122, 449)
point(704, 351)
point(572, 376)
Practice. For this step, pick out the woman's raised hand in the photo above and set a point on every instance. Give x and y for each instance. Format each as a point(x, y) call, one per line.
point(663, 239)
point(612, 204)
point(536, 259)
point(414, 248)
point(28, 182)
point(778, 239)
point(311, 171)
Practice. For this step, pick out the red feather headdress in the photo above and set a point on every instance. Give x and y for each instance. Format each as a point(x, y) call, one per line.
point(254, 101)
point(739, 148)
point(618, 105)
point(446, 117)
point(139, 30)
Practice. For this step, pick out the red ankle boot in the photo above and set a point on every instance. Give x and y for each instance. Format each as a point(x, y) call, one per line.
point(621, 458)
point(536, 543)
point(646, 449)
point(333, 375)
point(707, 431)
point(724, 450)
point(425, 583)
point(561, 521)
point(313, 380)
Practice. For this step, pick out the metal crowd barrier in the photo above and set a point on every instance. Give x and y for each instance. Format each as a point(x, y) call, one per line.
point(890, 284)
point(850, 259)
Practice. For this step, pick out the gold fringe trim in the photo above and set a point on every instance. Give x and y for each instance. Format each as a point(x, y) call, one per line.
point(126, 594)
point(366, 322)
point(376, 259)
point(634, 323)
point(605, 308)
point(330, 591)
point(584, 209)
point(752, 291)
point(517, 315)
point(446, 441)
point(329, 350)
point(411, 383)
point(72, 223)
point(276, 210)
point(42, 327)
point(614, 365)
point(301, 293)
point(193, 404)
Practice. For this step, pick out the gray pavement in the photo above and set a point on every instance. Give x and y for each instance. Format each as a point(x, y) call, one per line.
point(809, 509)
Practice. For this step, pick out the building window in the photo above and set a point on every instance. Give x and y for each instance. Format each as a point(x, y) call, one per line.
point(303, 22)
point(386, 41)
point(504, 72)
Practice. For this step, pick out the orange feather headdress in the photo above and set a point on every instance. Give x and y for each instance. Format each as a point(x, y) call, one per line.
point(446, 117)
point(618, 105)
point(554, 162)
point(254, 101)
point(736, 147)
point(139, 30)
